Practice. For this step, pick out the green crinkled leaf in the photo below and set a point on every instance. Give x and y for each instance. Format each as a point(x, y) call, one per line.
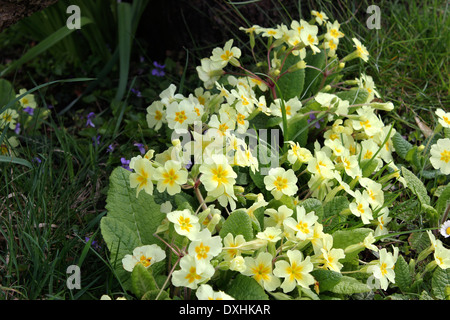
point(130, 222)
point(238, 222)
point(298, 129)
point(331, 211)
point(246, 288)
point(354, 96)
point(401, 146)
point(152, 294)
point(403, 277)
point(327, 279)
point(312, 204)
point(416, 186)
point(291, 84)
point(142, 280)
point(443, 200)
point(313, 77)
point(141, 215)
point(344, 238)
point(440, 282)
point(6, 92)
point(348, 285)
point(120, 241)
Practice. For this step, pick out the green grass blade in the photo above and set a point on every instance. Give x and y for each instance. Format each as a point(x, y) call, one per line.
point(43, 46)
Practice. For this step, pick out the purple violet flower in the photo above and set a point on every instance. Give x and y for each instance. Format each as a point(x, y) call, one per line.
point(17, 129)
point(96, 140)
point(140, 147)
point(29, 110)
point(158, 70)
point(125, 164)
point(89, 117)
point(312, 117)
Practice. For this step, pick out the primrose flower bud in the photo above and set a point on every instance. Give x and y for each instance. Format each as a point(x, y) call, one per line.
point(238, 264)
point(389, 106)
point(252, 245)
point(214, 221)
point(299, 65)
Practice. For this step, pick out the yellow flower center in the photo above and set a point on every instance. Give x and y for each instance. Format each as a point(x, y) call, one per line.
point(201, 100)
point(202, 251)
point(145, 261)
point(368, 154)
point(240, 119)
point(446, 119)
point(180, 116)
point(261, 271)
point(332, 45)
point(280, 183)
point(310, 39)
point(447, 231)
point(383, 269)
point(223, 128)
point(294, 271)
point(220, 175)
point(170, 177)
point(360, 208)
point(185, 223)
point(445, 156)
point(303, 227)
point(334, 33)
point(142, 178)
point(192, 275)
point(158, 115)
point(227, 55)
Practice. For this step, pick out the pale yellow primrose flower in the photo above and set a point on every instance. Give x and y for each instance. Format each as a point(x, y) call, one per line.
point(297, 153)
point(333, 32)
point(440, 155)
point(320, 17)
point(361, 50)
point(279, 182)
point(308, 35)
point(204, 247)
point(180, 115)
point(27, 100)
point(191, 273)
point(209, 72)
point(260, 269)
point(185, 223)
point(321, 165)
point(142, 175)
point(230, 244)
point(375, 193)
point(156, 115)
point(228, 53)
point(271, 234)
point(360, 207)
point(218, 176)
point(303, 226)
point(206, 292)
point(295, 272)
point(382, 220)
point(384, 269)
point(276, 217)
point(170, 177)
point(442, 255)
point(8, 118)
point(331, 256)
point(443, 118)
point(146, 255)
